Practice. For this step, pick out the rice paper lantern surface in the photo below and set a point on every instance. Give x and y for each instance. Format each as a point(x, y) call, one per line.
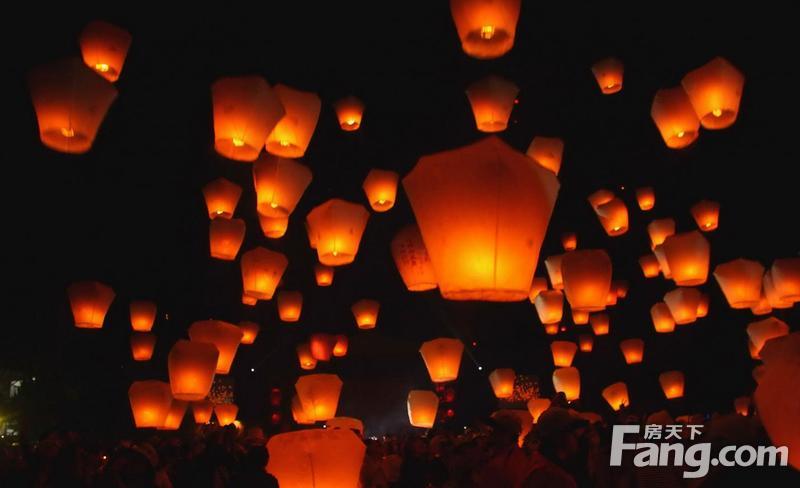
point(349, 111)
point(221, 196)
point(321, 346)
point(675, 118)
point(763, 330)
point(585, 343)
point(771, 293)
point(192, 366)
point(316, 458)
point(662, 318)
point(290, 305)
point(613, 216)
point(587, 279)
point(291, 136)
point(537, 286)
point(632, 350)
point(549, 306)
point(740, 281)
point(226, 337)
point(688, 255)
point(412, 260)
point(422, 406)
point(663, 264)
point(89, 301)
point(553, 266)
point(672, 384)
point(649, 264)
point(715, 90)
point(250, 331)
point(202, 411)
point(150, 402)
point(273, 227)
point(659, 230)
point(104, 47)
point(319, 394)
point(262, 270)
point(225, 237)
point(226, 413)
point(337, 227)
point(142, 345)
point(547, 152)
point(143, 315)
point(600, 323)
point(442, 358)
point(706, 215)
point(492, 100)
point(608, 73)
point(174, 419)
point(502, 381)
point(785, 275)
point(563, 353)
point(567, 381)
point(580, 318)
point(616, 394)
point(646, 198)
point(486, 28)
point(298, 414)
point(569, 241)
point(380, 186)
point(279, 184)
point(323, 275)
point(340, 346)
point(307, 360)
point(366, 313)
point(536, 406)
point(683, 304)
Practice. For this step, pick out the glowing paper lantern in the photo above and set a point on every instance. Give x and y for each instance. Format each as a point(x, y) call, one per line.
point(549, 306)
point(226, 337)
point(320, 458)
point(225, 237)
point(412, 260)
point(104, 47)
point(563, 353)
point(608, 73)
point(785, 276)
point(763, 307)
point(741, 405)
point(613, 216)
point(89, 301)
point(191, 369)
point(279, 184)
point(646, 198)
point(323, 274)
point(290, 305)
point(142, 346)
point(298, 414)
point(422, 407)
point(547, 152)
point(633, 350)
point(250, 331)
point(616, 395)
point(305, 357)
point(537, 286)
point(569, 240)
point(551, 329)
point(174, 419)
point(248, 300)
point(585, 343)
point(150, 402)
point(202, 410)
point(600, 323)
point(340, 346)
point(349, 111)
point(672, 383)
point(611, 298)
point(675, 118)
point(319, 394)
point(442, 358)
point(321, 346)
point(587, 279)
point(553, 266)
point(143, 314)
point(366, 313)
point(482, 252)
point(568, 381)
point(771, 294)
point(620, 288)
point(763, 330)
point(649, 264)
point(740, 281)
point(337, 227)
point(273, 227)
point(380, 186)
point(291, 136)
point(502, 381)
point(221, 198)
point(262, 269)
point(246, 109)
point(486, 28)
point(706, 215)
point(715, 90)
point(683, 304)
point(537, 406)
point(579, 317)
point(492, 100)
point(71, 102)
point(659, 230)
point(702, 306)
point(226, 413)
point(688, 255)
point(663, 264)
point(662, 318)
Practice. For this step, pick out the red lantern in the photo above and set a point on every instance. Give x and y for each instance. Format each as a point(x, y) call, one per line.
point(688, 255)
point(785, 275)
point(646, 198)
point(672, 383)
point(412, 260)
point(537, 286)
point(600, 323)
point(662, 318)
point(569, 240)
point(740, 281)
point(549, 306)
point(683, 304)
point(633, 350)
point(706, 215)
point(567, 381)
point(226, 413)
point(323, 274)
point(202, 410)
point(340, 346)
point(442, 358)
point(307, 360)
point(322, 346)
point(563, 353)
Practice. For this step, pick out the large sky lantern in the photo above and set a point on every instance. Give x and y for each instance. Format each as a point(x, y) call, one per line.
point(706, 215)
point(304, 356)
point(279, 184)
point(585, 342)
point(380, 186)
point(70, 101)
point(600, 323)
point(225, 237)
point(250, 331)
point(569, 241)
point(502, 381)
point(291, 136)
point(221, 196)
point(321, 346)
point(482, 251)
point(442, 357)
point(290, 305)
point(337, 227)
point(486, 28)
point(192, 366)
point(537, 406)
point(702, 305)
point(226, 337)
point(89, 301)
point(104, 47)
point(683, 303)
point(715, 90)
point(349, 111)
point(226, 413)
point(632, 350)
point(262, 270)
point(316, 458)
point(613, 216)
point(273, 227)
point(675, 118)
point(553, 266)
point(616, 394)
point(412, 260)
point(422, 407)
point(740, 281)
point(323, 274)
point(587, 279)
point(580, 317)
point(646, 198)
point(365, 311)
point(672, 384)
point(538, 285)
point(741, 405)
point(298, 414)
point(608, 73)
point(785, 275)
point(245, 111)
point(662, 318)
point(659, 230)
point(549, 306)
point(143, 315)
point(563, 353)
point(150, 402)
point(649, 264)
point(340, 345)
point(771, 293)
point(492, 100)
point(142, 345)
point(663, 264)
point(568, 381)
point(174, 419)
point(319, 394)
point(547, 153)
point(688, 255)
point(202, 411)
point(763, 330)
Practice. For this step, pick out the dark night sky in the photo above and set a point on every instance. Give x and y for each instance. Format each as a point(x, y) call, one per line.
point(130, 213)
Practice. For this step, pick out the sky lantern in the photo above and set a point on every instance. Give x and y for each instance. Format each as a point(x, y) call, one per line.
point(600, 197)
point(537, 406)
point(659, 230)
point(611, 298)
point(568, 381)
point(321, 346)
point(616, 394)
point(763, 307)
point(771, 294)
point(412, 260)
point(340, 345)
point(298, 414)
point(279, 184)
point(633, 350)
point(245, 111)
point(585, 343)
point(646, 198)
point(706, 215)
point(688, 255)
point(104, 47)
point(262, 269)
point(349, 111)
point(569, 241)
point(248, 300)
point(291, 136)
point(785, 276)
point(740, 281)
point(663, 264)
point(225, 237)
point(551, 329)
point(250, 331)
point(174, 419)
point(587, 279)
point(143, 315)
point(422, 407)
point(486, 28)
point(600, 323)
point(502, 381)
point(741, 405)
point(649, 264)
point(221, 197)
point(323, 274)
point(662, 318)
point(620, 288)
point(675, 118)
point(683, 303)
point(608, 73)
point(563, 353)
point(702, 306)
point(580, 317)
point(307, 361)
point(547, 153)
point(613, 216)
point(226, 337)
point(226, 413)
point(316, 458)
point(672, 383)
point(715, 90)
point(273, 227)
point(337, 227)
point(71, 102)
point(380, 186)
point(763, 330)
point(142, 345)
point(442, 358)
point(319, 394)
point(290, 305)
point(549, 306)
point(191, 368)
point(202, 411)
point(366, 313)
point(553, 266)
point(492, 100)
point(150, 402)
point(89, 301)
point(537, 286)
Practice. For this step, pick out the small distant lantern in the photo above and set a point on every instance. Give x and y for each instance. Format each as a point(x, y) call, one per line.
point(585, 343)
point(248, 300)
point(422, 407)
point(250, 331)
point(322, 346)
point(492, 100)
point(646, 198)
point(273, 227)
point(616, 395)
point(502, 381)
point(549, 306)
point(740, 281)
point(587, 279)
point(683, 304)
point(706, 215)
point(611, 298)
point(442, 357)
point(221, 198)
point(380, 186)
point(538, 285)
point(143, 315)
point(226, 337)
point(547, 153)
point(486, 28)
point(659, 230)
point(785, 275)
point(741, 405)
point(563, 353)
point(225, 237)
point(537, 406)
point(290, 305)
point(202, 411)
point(553, 266)
point(551, 329)
point(672, 383)
point(632, 350)
point(191, 368)
point(715, 90)
point(337, 227)
point(89, 301)
point(763, 330)
point(620, 288)
point(174, 419)
point(412, 260)
point(580, 317)
point(366, 313)
point(675, 118)
point(262, 269)
point(569, 241)
point(226, 413)
point(307, 361)
point(613, 216)
point(279, 184)
point(340, 346)
point(319, 394)
point(104, 47)
point(600, 323)
point(608, 73)
point(649, 264)
point(567, 381)
point(142, 345)
point(323, 274)
point(291, 136)
point(349, 111)
point(150, 402)
point(688, 255)
point(662, 318)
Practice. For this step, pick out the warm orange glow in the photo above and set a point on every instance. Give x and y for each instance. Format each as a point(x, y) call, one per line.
point(741, 405)
point(337, 227)
point(611, 298)
point(600, 323)
point(633, 350)
point(422, 407)
point(319, 394)
point(250, 331)
point(763, 307)
point(226, 337)
point(563, 353)
point(226, 413)
point(307, 361)
point(620, 288)
point(279, 184)
point(486, 28)
point(340, 346)
point(104, 47)
point(321, 458)
point(763, 330)
point(715, 90)
point(672, 384)
point(553, 266)
point(262, 270)
point(663, 264)
point(771, 294)
point(649, 264)
point(380, 186)
point(150, 402)
point(273, 227)
point(191, 368)
point(569, 240)
point(248, 300)
point(502, 381)
point(142, 345)
point(202, 411)
point(585, 343)
point(702, 306)
point(706, 215)
point(412, 260)
point(613, 216)
point(608, 73)
point(568, 381)
point(688, 255)
point(225, 237)
point(442, 358)
point(290, 305)
point(349, 111)
point(298, 414)
point(662, 318)
point(616, 395)
point(646, 198)
point(547, 152)
point(89, 301)
point(537, 406)
point(587, 279)
point(549, 306)
point(221, 197)
point(323, 274)
point(659, 230)
point(174, 419)
point(579, 317)
point(366, 313)
point(321, 346)
point(740, 281)
point(492, 100)
point(674, 116)
point(537, 286)
point(290, 138)
point(683, 304)
point(785, 276)
point(551, 329)
point(143, 315)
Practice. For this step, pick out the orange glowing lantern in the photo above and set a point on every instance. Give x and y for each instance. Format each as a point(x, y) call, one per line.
point(279, 184)
point(89, 301)
point(771, 294)
point(580, 318)
point(547, 152)
point(785, 276)
point(142, 345)
point(649, 264)
point(741, 405)
point(672, 383)
point(104, 47)
point(366, 313)
point(585, 343)
point(323, 274)
point(659, 230)
point(290, 138)
point(71, 102)
point(502, 381)
point(150, 402)
point(587, 279)
point(321, 346)
point(633, 350)
point(319, 394)
point(646, 198)
point(250, 331)
point(537, 286)
point(683, 304)
point(549, 306)
point(321, 458)
point(687, 255)
point(337, 226)
point(608, 73)
point(221, 198)
point(661, 256)
point(273, 227)
point(740, 281)
point(706, 215)
point(412, 260)
point(600, 323)
point(551, 329)
point(442, 358)
point(422, 407)
point(305, 357)
point(202, 411)
point(225, 237)
point(480, 251)
point(702, 306)
point(563, 353)
point(715, 90)
point(616, 395)
point(620, 288)
point(298, 414)
point(226, 413)
point(675, 118)
point(262, 269)
point(611, 298)
point(380, 186)
point(290, 305)
point(569, 240)
point(226, 337)
point(613, 216)
point(248, 300)
point(349, 111)
point(553, 266)
point(492, 100)
point(486, 28)
point(763, 307)
point(191, 368)
point(536, 406)
point(340, 346)
point(662, 318)
point(567, 381)
point(143, 315)
point(174, 419)
point(763, 330)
